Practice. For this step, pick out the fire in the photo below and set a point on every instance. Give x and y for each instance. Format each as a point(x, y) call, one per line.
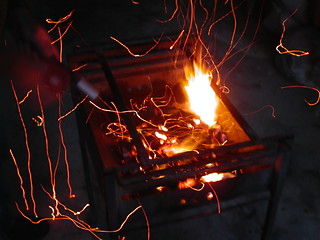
point(202, 99)
point(216, 177)
point(212, 177)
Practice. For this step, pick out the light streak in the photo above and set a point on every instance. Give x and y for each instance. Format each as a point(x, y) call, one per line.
point(72, 110)
point(197, 189)
point(137, 55)
point(25, 97)
point(122, 224)
point(61, 20)
point(21, 180)
point(61, 45)
point(44, 130)
point(27, 148)
point(264, 107)
point(71, 195)
point(173, 14)
point(57, 215)
point(282, 49)
point(192, 20)
point(119, 119)
point(135, 2)
point(120, 112)
point(80, 67)
point(216, 196)
point(62, 35)
point(178, 38)
point(231, 45)
point(224, 16)
point(312, 88)
point(38, 122)
point(147, 221)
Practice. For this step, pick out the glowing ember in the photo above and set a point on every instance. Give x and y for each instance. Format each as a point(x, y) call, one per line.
point(212, 177)
point(161, 136)
point(202, 98)
point(170, 151)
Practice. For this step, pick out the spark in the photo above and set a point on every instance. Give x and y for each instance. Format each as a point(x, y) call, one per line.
point(27, 148)
point(264, 107)
point(192, 20)
point(282, 49)
point(147, 220)
point(225, 89)
point(173, 14)
point(71, 195)
point(312, 88)
point(21, 180)
point(44, 130)
point(137, 55)
point(25, 97)
point(39, 123)
point(119, 119)
point(135, 2)
point(231, 44)
point(122, 224)
point(64, 206)
point(224, 16)
point(178, 38)
point(197, 189)
point(61, 45)
point(72, 110)
point(57, 215)
point(217, 198)
point(80, 67)
point(62, 35)
point(82, 210)
point(61, 20)
point(122, 112)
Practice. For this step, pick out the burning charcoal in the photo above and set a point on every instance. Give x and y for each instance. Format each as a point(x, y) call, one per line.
point(218, 135)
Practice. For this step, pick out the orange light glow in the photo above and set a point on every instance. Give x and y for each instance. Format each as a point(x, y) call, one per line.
point(202, 99)
point(21, 180)
point(212, 177)
point(28, 150)
point(312, 88)
point(260, 109)
point(134, 54)
point(282, 49)
point(171, 150)
point(27, 95)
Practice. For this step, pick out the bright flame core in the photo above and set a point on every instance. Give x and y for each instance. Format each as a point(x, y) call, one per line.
point(202, 99)
point(212, 177)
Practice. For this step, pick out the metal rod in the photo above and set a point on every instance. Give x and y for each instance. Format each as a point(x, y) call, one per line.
point(142, 153)
point(199, 153)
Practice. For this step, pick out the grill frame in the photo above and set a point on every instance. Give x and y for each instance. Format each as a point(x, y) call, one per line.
point(275, 153)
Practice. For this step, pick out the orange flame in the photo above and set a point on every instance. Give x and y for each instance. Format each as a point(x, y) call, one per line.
point(202, 99)
point(212, 177)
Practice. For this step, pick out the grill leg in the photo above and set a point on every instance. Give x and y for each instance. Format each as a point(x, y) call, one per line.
point(278, 177)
